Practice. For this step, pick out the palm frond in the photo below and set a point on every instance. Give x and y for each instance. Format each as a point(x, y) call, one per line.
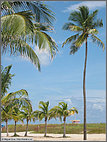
point(17, 24)
point(5, 5)
point(13, 95)
point(6, 78)
point(74, 110)
point(41, 11)
point(93, 31)
point(70, 39)
point(44, 41)
point(26, 51)
point(97, 24)
point(84, 10)
point(72, 27)
point(73, 49)
point(75, 28)
point(80, 40)
point(89, 21)
point(98, 41)
point(43, 27)
point(76, 17)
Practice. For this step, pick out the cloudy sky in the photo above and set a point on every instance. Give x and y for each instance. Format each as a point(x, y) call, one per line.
point(61, 79)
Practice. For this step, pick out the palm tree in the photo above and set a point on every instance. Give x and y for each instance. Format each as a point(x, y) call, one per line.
point(28, 114)
point(16, 117)
point(18, 30)
point(62, 111)
point(6, 115)
point(44, 113)
point(85, 24)
point(10, 104)
point(18, 104)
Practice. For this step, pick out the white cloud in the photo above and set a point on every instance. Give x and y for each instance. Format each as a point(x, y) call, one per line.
point(43, 55)
point(97, 100)
point(90, 4)
point(68, 101)
point(98, 107)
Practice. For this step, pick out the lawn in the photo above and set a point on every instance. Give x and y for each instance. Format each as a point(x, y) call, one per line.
point(92, 128)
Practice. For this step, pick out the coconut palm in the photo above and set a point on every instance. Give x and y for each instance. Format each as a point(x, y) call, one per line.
point(18, 30)
point(44, 113)
point(62, 111)
point(27, 114)
point(6, 115)
point(9, 103)
point(18, 104)
point(16, 117)
point(85, 24)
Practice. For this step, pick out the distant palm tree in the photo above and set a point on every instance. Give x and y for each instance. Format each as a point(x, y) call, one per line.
point(6, 115)
point(62, 111)
point(27, 113)
point(18, 104)
point(44, 113)
point(85, 24)
point(10, 105)
point(18, 29)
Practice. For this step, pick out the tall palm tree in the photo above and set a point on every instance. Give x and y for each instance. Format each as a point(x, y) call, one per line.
point(43, 113)
point(62, 111)
point(85, 24)
point(18, 30)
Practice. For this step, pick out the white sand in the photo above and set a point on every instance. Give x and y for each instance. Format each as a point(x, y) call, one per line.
point(58, 137)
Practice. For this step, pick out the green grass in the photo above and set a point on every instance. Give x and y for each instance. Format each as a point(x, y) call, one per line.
point(97, 128)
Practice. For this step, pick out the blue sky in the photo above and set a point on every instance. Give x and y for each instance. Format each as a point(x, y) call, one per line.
point(61, 79)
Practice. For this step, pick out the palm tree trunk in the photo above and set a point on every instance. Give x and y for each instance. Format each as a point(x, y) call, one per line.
point(84, 92)
point(7, 127)
point(15, 129)
point(64, 127)
point(26, 127)
point(45, 127)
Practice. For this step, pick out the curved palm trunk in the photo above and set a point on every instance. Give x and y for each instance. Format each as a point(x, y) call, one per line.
point(7, 127)
point(45, 127)
point(84, 92)
point(15, 129)
point(26, 127)
point(64, 127)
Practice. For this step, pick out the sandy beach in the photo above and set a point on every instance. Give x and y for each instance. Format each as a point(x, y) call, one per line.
point(58, 137)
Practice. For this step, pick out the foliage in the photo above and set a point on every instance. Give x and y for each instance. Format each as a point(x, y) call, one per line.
point(62, 111)
point(92, 128)
point(19, 32)
point(43, 113)
point(6, 78)
point(84, 24)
